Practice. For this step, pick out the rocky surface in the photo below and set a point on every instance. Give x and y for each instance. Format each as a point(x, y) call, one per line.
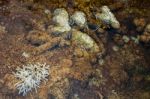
point(98, 62)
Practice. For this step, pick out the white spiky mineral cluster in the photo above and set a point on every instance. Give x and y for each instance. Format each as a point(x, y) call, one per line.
point(31, 76)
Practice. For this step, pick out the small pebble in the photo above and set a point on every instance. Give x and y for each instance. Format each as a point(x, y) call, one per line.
point(115, 48)
point(136, 40)
point(46, 11)
point(26, 55)
point(79, 18)
point(101, 61)
point(126, 39)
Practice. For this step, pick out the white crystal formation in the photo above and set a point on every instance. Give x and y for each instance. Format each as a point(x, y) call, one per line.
point(30, 77)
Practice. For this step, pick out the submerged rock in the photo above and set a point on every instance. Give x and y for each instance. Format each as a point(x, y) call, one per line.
point(61, 20)
point(60, 17)
point(79, 18)
point(115, 48)
point(85, 41)
point(108, 17)
point(60, 29)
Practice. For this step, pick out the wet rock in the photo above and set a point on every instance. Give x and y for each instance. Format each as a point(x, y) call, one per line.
point(108, 17)
point(115, 48)
point(61, 20)
point(79, 19)
point(85, 41)
point(57, 30)
point(126, 39)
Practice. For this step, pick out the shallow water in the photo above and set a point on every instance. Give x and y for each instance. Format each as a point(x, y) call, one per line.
point(117, 69)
